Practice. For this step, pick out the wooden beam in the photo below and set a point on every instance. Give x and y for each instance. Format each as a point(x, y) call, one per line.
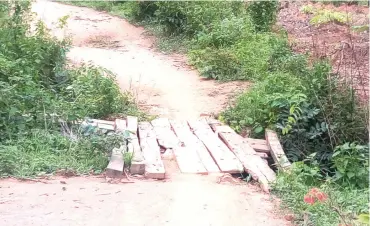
point(225, 159)
point(116, 163)
point(196, 151)
point(259, 145)
point(165, 136)
point(154, 167)
point(120, 125)
point(137, 158)
point(252, 162)
point(276, 149)
point(132, 124)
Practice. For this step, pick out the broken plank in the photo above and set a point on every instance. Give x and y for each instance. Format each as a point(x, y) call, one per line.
point(225, 159)
point(154, 167)
point(252, 162)
point(132, 124)
point(193, 155)
point(165, 136)
point(116, 163)
point(259, 145)
point(276, 149)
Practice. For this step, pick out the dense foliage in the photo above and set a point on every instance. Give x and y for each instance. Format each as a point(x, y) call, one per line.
point(37, 92)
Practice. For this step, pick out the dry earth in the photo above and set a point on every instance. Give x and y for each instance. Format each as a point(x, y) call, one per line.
point(167, 87)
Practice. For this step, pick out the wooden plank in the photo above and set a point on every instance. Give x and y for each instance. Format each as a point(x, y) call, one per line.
point(259, 145)
point(225, 159)
point(261, 154)
point(252, 163)
point(165, 136)
point(154, 167)
point(137, 161)
point(196, 151)
point(213, 122)
point(132, 124)
point(120, 125)
point(116, 163)
point(276, 149)
point(188, 160)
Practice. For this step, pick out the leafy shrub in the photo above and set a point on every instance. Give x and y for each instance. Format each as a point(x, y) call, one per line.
point(193, 17)
point(93, 92)
point(224, 33)
point(263, 14)
point(37, 90)
point(47, 151)
point(292, 187)
point(259, 107)
point(351, 163)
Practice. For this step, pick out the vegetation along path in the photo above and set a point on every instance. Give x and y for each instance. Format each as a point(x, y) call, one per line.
point(164, 85)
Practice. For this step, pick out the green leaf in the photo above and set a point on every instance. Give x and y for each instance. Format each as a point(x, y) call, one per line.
point(258, 129)
point(12, 111)
point(364, 218)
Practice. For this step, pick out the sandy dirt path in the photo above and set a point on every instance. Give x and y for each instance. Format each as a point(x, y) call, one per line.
point(170, 89)
point(164, 84)
point(185, 201)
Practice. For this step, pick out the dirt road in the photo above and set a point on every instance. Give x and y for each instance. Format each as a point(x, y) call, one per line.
point(166, 86)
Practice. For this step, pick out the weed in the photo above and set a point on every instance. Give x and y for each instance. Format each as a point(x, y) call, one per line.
point(292, 187)
point(308, 9)
point(326, 16)
point(263, 14)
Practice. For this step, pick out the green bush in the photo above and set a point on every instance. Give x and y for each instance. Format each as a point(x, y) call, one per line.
point(260, 107)
point(263, 14)
point(351, 164)
point(43, 152)
point(37, 91)
point(293, 186)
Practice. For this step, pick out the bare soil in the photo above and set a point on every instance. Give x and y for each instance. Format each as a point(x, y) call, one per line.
point(164, 85)
point(185, 200)
point(347, 50)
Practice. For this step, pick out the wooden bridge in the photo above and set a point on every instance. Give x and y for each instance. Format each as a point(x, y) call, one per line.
point(203, 146)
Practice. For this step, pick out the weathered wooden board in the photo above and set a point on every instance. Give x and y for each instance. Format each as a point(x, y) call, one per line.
point(137, 161)
point(154, 167)
point(116, 163)
point(132, 124)
point(188, 160)
point(259, 145)
point(252, 162)
point(194, 151)
point(225, 159)
point(165, 136)
point(276, 149)
point(120, 125)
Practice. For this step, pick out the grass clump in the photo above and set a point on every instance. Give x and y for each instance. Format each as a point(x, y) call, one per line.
point(38, 91)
